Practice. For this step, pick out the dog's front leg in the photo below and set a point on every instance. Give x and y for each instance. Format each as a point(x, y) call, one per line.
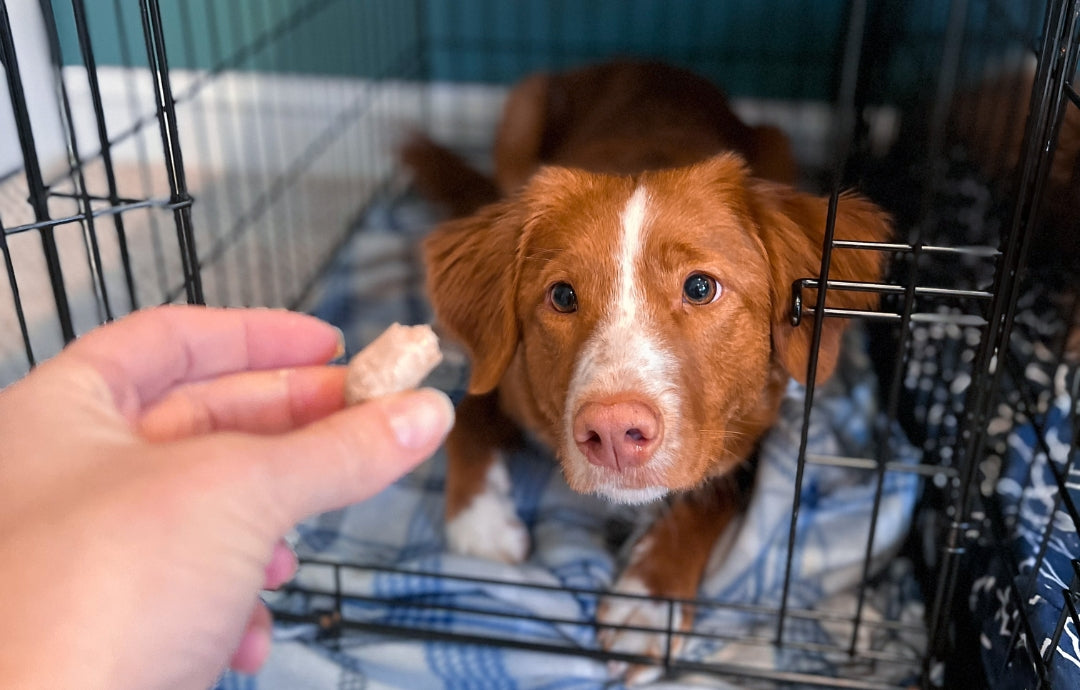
point(667, 562)
point(481, 519)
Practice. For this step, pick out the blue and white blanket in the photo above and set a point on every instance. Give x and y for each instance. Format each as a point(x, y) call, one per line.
point(376, 281)
point(1021, 596)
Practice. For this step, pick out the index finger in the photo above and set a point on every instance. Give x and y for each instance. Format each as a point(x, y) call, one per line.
point(343, 458)
point(144, 355)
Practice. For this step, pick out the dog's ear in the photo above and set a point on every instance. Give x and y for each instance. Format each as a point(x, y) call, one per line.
point(471, 280)
point(792, 227)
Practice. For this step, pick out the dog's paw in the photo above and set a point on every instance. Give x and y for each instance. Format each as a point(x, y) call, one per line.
point(489, 527)
point(649, 620)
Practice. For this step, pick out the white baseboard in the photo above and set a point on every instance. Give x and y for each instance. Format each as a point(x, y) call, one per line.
point(240, 121)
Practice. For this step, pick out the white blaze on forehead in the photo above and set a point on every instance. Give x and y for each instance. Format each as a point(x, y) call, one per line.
point(625, 355)
point(633, 226)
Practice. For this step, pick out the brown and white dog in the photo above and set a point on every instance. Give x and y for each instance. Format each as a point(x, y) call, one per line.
point(627, 301)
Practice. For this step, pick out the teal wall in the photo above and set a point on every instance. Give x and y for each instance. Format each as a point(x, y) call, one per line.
point(750, 47)
point(758, 48)
point(330, 37)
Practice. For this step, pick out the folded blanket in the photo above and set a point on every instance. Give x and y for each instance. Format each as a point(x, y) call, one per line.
point(404, 577)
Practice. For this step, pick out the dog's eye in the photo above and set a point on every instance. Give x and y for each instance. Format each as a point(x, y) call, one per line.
point(562, 297)
point(701, 289)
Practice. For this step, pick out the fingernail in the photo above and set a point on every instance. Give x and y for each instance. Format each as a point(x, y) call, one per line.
point(340, 351)
point(419, 419)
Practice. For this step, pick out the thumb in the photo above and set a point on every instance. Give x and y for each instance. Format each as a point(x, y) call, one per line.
point(354, 453)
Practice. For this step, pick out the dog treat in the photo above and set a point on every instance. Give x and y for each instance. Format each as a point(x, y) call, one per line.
point(397, 360)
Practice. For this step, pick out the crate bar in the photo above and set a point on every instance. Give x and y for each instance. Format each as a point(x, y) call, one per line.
point(170, 142)
point(140, 121)
point(75, 170)
point(845, 129)
point(668, 630)
point(86, 48)
point(1040, 123)
point(1068, 611)
point(945, 86)
point(1022, 621)
point(39, 193)
point(118, 200)
point(1014, 589)
point(1057, 53)
point(340, 598)
point(756, 609)
point(798, 308)
point(669, 634)
point(1070, 91)
point(122, 207)
point(920, 317)
point(14, 283)
point(720, 669)
point(1060, 476)
point(879, 288)
point(976, 250)
point(1069, 595)
point(210, 204)
point(243, 260)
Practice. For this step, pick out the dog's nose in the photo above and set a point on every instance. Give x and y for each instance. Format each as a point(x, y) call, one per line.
point(617, 435)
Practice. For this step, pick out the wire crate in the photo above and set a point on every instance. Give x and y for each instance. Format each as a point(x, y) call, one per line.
point(233, 153)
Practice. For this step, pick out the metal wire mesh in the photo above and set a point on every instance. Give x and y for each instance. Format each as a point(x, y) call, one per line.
point(156, 105)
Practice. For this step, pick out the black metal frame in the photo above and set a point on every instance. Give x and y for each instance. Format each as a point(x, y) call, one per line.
point(1050, 94)
point(215, 252)
point(329, 614)
point(962, 513)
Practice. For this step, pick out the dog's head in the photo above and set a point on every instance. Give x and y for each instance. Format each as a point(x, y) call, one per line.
point(645, 317)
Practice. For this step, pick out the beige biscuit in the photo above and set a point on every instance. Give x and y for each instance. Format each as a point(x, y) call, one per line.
point(397, 360)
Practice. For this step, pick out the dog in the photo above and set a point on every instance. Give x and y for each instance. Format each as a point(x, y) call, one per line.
point(623, 288)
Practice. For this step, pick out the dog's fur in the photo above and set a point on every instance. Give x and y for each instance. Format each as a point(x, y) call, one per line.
point(618, 117)
point(654, 183)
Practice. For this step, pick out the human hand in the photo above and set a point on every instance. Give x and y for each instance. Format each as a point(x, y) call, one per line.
point(147, 475)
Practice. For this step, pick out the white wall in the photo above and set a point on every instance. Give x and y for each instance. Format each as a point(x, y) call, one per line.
point(32, 52)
